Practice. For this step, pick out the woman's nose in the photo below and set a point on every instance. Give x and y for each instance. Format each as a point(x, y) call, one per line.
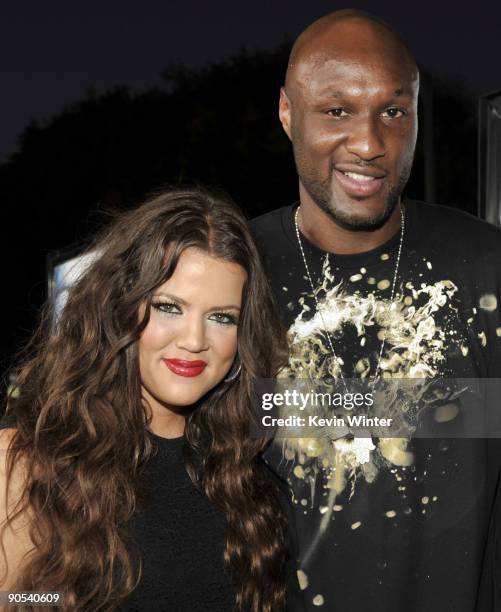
point(191, 336)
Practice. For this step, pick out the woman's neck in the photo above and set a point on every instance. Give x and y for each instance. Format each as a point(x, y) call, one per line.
point(167, 424)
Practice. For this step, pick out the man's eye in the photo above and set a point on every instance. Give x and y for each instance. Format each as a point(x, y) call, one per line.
point(223, 318)
point(337, 112)
point(393, 113)
point(166, 307)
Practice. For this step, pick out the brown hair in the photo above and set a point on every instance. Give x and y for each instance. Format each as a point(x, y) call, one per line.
point(81, 421)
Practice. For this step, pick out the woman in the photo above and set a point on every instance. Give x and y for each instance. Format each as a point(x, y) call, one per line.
point(147, 370)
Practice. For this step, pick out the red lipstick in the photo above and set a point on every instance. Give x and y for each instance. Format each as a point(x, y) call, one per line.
point(183, 367)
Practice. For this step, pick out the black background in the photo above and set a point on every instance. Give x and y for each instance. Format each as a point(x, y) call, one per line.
point(103, 102)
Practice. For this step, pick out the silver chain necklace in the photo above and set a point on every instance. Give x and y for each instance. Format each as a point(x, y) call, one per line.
point(317, 304)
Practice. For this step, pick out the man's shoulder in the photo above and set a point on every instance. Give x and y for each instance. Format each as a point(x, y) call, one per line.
point(448, 213)
point(455, 225)
point(271, 223)
point(274, 233)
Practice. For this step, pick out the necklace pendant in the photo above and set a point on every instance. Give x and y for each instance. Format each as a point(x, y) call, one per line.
point(363, 448)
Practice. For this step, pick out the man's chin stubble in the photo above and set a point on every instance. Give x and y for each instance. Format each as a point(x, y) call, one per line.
point(321, 195)
point(356, 223)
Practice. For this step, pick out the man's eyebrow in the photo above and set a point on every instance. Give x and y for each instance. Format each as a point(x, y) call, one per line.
point(338, 93)
point(403, 90)
point(334, 94)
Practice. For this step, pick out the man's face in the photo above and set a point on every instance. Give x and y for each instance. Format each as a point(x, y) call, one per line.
point(353, 126)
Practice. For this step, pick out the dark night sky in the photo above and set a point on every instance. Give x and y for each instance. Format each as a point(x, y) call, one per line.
point(52, 52)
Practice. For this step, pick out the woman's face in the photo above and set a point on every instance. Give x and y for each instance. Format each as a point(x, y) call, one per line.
point(190, 341)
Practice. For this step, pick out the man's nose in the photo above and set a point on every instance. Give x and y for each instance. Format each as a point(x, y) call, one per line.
point(365, 139)
point(192, 335)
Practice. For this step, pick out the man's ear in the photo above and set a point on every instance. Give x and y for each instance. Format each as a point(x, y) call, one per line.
point(284, 112)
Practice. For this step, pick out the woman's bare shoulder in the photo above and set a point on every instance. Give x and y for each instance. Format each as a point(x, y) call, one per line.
point(14, 528)
point(6, 437)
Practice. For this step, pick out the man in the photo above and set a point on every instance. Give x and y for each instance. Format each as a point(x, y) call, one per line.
point(376, 287)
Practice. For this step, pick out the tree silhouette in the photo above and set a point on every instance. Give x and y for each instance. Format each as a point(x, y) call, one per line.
point(215, 125)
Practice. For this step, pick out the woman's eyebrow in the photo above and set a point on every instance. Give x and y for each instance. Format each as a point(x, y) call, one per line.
point(228, 307)
point(174, 298)
point(179, 300)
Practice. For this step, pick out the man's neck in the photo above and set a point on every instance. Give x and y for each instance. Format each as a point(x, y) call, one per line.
point(327, 235)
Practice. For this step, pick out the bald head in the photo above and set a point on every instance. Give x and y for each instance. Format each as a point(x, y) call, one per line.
point(349, 106)
point(349, 33)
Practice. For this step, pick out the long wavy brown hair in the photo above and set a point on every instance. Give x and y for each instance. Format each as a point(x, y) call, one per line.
point(81, 421)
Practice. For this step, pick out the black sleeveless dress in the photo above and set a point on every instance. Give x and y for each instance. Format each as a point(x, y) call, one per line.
point(181, 539)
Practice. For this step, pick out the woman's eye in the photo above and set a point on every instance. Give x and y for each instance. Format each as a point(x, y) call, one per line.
point(166, 307)
point(223, 318)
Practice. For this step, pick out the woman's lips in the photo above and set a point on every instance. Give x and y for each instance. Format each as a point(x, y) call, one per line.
point(183, 367)
point(358, 185)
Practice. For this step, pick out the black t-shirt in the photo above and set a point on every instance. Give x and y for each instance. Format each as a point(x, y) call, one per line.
point(408, 529)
